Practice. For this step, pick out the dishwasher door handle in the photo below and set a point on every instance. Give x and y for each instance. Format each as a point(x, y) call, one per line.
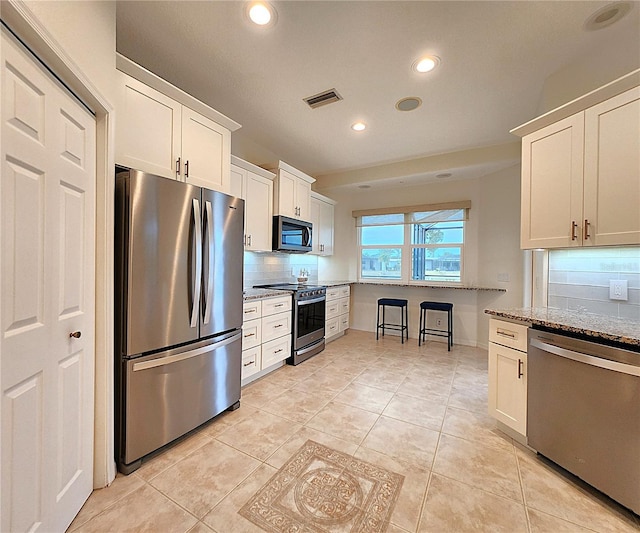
point(592, 360)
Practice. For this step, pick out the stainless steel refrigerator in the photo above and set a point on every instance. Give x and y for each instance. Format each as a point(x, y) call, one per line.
point(178, 301)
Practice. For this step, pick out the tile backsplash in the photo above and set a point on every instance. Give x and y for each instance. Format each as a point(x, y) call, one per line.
point(263, 268)
point(579, 280)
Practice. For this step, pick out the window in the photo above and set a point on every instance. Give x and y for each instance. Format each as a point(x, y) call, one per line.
point(416, 245)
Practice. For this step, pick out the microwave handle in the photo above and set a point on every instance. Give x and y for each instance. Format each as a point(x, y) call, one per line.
point(307, 231)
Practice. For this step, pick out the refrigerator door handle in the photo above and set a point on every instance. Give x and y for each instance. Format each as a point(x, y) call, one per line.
point(197, 226)
point(209, 288)
point(164, 361)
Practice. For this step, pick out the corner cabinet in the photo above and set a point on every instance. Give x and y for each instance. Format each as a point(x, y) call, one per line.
point(292, 192)
point(508, 374)
point(581, 177)
point(164, 131)
point(322, 219)
point(255, 186)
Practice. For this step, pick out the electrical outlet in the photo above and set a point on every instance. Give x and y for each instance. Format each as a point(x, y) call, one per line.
point(618, 289)
point(439, 322)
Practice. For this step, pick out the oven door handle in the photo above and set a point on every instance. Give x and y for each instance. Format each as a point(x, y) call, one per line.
point(309, 302)
point(591, 360)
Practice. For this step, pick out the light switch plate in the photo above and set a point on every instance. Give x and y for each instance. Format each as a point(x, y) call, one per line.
point(618, 289)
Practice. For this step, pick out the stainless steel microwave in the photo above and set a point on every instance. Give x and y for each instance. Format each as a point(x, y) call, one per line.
point(291, 235)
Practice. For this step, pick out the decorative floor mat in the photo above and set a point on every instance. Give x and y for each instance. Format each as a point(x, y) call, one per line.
point(323, 490)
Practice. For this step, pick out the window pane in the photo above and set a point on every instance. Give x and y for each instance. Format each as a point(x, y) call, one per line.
point(379, 235)
point(428, 217)
point(381, 263)
point(379, 220)
point(436, 264)
point(440, 232)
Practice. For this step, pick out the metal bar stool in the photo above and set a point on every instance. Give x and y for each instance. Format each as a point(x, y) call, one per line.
point(404, 317)
point(424, 330)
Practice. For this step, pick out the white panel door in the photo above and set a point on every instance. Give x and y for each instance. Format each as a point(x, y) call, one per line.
point(258, 213)
point(206, 152)
point(47, 281)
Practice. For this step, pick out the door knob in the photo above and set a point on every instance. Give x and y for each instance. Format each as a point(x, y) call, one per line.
point(76, 334)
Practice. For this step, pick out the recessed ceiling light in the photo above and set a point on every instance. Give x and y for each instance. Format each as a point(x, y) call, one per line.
point(358, 126)
point(425, 64)
point(261, 13)
point(408, 104)
point(607, 15)
point(444, 175)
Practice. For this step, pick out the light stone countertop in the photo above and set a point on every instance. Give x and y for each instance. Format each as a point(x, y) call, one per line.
point(258, 294)
point(620, 330)
point(336, 283)
point(427, 285)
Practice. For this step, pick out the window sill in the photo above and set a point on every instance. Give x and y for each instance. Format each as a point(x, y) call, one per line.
point(430, 285)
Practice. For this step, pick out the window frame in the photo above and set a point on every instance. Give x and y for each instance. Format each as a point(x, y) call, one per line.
point(406, 250)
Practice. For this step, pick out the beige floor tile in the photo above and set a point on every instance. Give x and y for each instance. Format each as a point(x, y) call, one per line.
point(548, 491)
point(284, 453)
point(407, 509)
point(364, 397)
point(434, 371)
point(433, 389)
point(470, 398)
point(397, 363)
point(344, 421)
point(260, 435)
point(326, 382)
point(259, 392)
point(202, 479)
point(475, 427)
point(102, 499)
point(455, 507)
point(484, 467)
point(296, 405)
point(425, 413)
point(145, 509)
point(381, 379)
point(403, 441)
point(224, 517)
point(201, 528)
point(543, 523)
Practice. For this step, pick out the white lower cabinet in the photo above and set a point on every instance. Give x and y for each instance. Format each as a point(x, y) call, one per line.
point(266, 335)
point(337, 311)
point(508, 374)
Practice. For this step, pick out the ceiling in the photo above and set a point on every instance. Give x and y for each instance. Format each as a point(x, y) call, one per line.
point(495, 58)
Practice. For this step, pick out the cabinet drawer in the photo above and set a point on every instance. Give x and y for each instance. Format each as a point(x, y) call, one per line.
point(332, 309)
point(251, 333)
point(333, 293)
point(343, 306)
point(345, 291)
point(332, 327)
point(251, 361)
point(272, 306)
point(252, 309)
point(344, 322)
point(508, 334)
point(276, 326)
point(275, 351)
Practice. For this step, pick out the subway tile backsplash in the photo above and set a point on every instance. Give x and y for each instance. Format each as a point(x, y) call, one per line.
point(263, 268)
point(579, 280)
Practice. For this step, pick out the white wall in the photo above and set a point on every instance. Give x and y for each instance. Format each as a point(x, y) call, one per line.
point(492, 246)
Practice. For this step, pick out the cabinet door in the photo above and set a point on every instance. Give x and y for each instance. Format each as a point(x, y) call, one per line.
point(258, 213)
point(314, 218)
point(326, 228)
point(206, 152)
point(147, 129)
point(612, 171)
point(552, 172)
point(286, 194)
point(238, 183)
point(508, 387)
point(303, 199)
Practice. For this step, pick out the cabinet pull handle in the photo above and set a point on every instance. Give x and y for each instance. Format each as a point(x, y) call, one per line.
point(520, 365)
point(586, 229)
point(249, 240)
point(278, 326)
point(249, 335)
point(75, 335)
point(186, 168)
point(247, 311)
point(278, 351)
point(574, 227)
point(278, 305)
point(504, 333)
point(250, 363)
point(178, 167)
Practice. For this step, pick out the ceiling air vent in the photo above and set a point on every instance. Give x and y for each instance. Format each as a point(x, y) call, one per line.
point(324, 98)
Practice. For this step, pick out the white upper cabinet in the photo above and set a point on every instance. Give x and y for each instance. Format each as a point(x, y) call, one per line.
point(581, 173)
point(255, 186)
point(322, 220)
point(164, 131)
point(292, 192)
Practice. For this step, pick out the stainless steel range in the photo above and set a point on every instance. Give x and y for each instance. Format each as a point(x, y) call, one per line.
point(308, 319)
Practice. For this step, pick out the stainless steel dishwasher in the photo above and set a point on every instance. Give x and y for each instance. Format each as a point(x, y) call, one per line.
point(584, 411)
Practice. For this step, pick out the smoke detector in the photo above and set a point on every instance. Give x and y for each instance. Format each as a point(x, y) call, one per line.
point(323, 98)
